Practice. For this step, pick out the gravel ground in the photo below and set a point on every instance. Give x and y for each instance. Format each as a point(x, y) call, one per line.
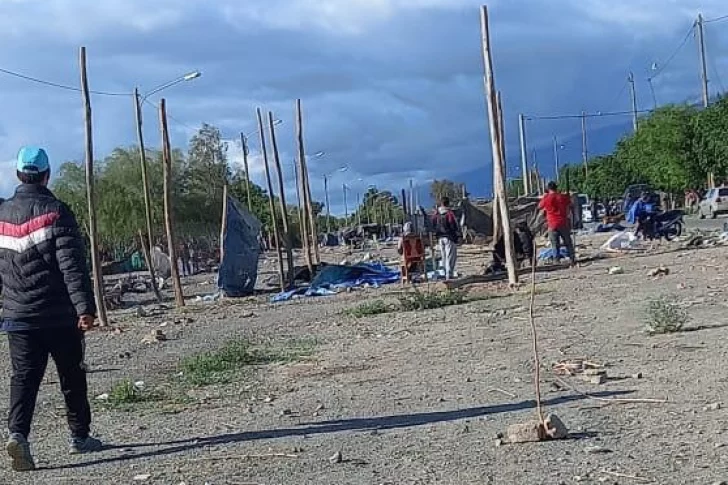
point(421, 397)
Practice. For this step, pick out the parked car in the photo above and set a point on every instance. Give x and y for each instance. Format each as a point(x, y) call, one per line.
point(715, 202)
point(588, 216)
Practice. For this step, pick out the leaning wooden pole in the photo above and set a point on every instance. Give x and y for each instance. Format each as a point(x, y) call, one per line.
point(495, 135)
point(287, 239)
point(145, 185)
point(91, 197)
point(305, 185)
point(223, 222)
point(167, 165)
point(272, 206)
point(303, 219)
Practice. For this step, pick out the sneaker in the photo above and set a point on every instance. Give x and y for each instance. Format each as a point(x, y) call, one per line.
point(80, 446)
point(19, 450)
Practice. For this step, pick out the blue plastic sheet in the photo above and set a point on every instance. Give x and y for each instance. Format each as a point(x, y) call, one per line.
point(332, 277)
point(239, 266)
point(549, 253)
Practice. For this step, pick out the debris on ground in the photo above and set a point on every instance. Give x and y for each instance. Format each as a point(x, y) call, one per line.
point(616, 270)
point(533, 431)
point(154, 337)
point(661, 271)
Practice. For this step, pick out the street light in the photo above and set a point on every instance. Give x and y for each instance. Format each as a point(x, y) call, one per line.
point(326, 191)
point(138, 100)
point(557, 147)
point(246, 152)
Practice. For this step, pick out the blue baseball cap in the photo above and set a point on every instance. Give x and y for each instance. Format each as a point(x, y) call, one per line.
point(32, 159)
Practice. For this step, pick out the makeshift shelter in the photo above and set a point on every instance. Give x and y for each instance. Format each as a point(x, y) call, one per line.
point(238, 271)
point(477, 217)
point(161, 262)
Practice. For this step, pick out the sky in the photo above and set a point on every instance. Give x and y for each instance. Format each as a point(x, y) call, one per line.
point(391, 89)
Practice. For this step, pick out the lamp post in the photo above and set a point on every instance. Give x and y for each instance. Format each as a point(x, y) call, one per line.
point(557, 148)
point(326, 195)
point(244, 147)
point(138, 101)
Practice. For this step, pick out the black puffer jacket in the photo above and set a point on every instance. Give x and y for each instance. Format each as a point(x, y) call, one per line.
point(45, 279)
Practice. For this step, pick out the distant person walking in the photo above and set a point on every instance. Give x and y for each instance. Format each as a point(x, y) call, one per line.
point(447, 232)
point(557, 207)
point(48, 304)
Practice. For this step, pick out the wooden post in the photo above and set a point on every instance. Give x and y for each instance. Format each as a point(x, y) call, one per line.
point(271, 204)
point(98, 278)
point(147, 253)
point(302, 220)
point(495, 135)
point(147, 197)
point(171, 242)
point(284, 207)
point(305, 183)
point(244, 145)
point(223, 223)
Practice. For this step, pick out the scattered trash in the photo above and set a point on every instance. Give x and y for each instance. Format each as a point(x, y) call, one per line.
point(661, 271)
point(622, 241)
point(102, 397)
point(616, 270)
point(209, 298)
point(155, 337)
point(712, 407)
point(337, 457)
point(142, 478)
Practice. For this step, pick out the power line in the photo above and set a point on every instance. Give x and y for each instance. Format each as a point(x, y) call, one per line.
point(57, 85)
point(661, 68)
point(714, 67)
point(717, 19)
point(156, 106)
point(586, 115)
point(621, 91)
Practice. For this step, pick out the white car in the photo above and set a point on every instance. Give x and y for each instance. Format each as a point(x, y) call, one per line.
point(715, 202)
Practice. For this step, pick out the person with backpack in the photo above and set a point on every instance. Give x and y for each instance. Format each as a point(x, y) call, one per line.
point(48, 304)
point(447, 231)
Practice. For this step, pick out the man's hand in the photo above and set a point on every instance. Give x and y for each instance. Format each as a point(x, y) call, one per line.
point(86, 322)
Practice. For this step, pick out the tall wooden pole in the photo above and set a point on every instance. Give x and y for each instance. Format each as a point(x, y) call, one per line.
point(495, 135)
point(284, 207)
point(223, 222)
point(633, 97)
point(271, 204)
point(91, 197)
point(179, 297)
point(703, 63)
point(302, 220)
point(147, 197)
point(244, 145)
point(524, 152)
point(305, 183)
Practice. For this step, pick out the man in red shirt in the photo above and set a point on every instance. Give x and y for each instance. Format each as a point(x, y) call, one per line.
point(557, 207)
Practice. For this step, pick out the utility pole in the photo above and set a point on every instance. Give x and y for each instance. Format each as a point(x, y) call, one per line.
point(584, 152)
point(147, 197)
point(286, 236)
point(633, 93)
point(556, 158)
point(496, 146)
point(306, 189)
point(271, 204)
point(524, 152)
point(328, 207)
point(168, 211)
point(346, 207)
point(703, 64)
point(244, 145)
point(98, 277)
point(358, 208)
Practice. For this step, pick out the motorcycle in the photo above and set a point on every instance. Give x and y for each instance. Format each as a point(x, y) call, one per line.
point(668, 225)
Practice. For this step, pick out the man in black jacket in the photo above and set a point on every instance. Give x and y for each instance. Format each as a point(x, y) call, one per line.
point(48, 304)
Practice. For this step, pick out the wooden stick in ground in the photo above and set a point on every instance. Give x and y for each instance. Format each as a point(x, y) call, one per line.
point(271, 204)
point(287, 240)
point(303, 219)
point(179, 297)
point(145, 185)
point(147, 256)
point(223, 223)
point(534, 336)
point(305, 184)
point(91, 197)
point(244, 146)
point(498, 161)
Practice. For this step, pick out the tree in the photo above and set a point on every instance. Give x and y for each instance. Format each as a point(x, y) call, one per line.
point(446, 188)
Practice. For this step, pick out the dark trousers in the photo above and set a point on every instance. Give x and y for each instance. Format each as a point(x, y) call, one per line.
point(29, 351)
point(556, 236)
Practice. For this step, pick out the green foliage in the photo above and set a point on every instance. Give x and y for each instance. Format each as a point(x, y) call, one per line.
point(674, 149)
point(369, 308)
point(446, 188)
point(663, 317)
point(221, 366)
point(417, 300)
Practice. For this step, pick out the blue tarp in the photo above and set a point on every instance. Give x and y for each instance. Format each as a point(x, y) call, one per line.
point(241, 249)
point(331, 277)
point(548, 253)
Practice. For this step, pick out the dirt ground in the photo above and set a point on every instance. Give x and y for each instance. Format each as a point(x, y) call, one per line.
point(416, 398)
